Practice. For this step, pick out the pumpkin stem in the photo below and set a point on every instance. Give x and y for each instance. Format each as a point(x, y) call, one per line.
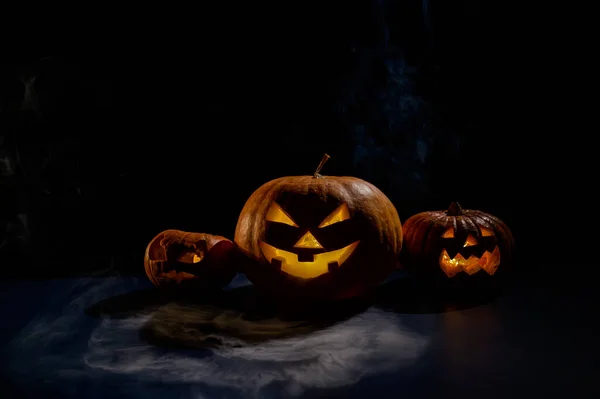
point(454, 209)
point(323, 160)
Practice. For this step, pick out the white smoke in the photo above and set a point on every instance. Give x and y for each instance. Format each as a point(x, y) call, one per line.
point(68, 348)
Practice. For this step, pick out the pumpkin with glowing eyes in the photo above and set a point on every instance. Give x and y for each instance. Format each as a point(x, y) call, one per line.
point(319, 237)
point(455, 243)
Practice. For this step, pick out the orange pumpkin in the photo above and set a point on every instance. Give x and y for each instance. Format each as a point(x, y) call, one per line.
point(457, 244)
point(319, 237)
point(198, 259)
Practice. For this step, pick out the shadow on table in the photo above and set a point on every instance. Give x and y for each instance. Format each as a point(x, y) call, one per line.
point(183, 319)
point(406, 295)
point(241, 316)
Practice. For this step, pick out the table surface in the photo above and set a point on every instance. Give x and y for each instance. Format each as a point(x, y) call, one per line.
point(101, 337)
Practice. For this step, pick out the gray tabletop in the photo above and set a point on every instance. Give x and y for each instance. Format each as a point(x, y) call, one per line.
point(100, 337)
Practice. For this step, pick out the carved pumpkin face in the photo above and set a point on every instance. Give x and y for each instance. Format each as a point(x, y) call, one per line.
point(307, 257)
point(470, 251)
point(179, 257)
point(456, 242)
point(323, 237)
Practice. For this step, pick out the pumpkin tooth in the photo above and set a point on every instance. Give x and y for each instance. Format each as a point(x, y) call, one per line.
point(333, 266)
point(277, 263)
point(492, 261)
point(471, 265)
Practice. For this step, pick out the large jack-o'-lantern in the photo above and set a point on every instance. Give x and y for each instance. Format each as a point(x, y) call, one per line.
point(319, 236)
point(456, 244)
point(190, 259)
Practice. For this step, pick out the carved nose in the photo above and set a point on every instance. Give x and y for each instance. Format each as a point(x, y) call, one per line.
point(308, 241)
point(470, 241)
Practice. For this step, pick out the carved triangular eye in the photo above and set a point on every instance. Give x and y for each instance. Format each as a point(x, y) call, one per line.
point(340, 214)
point(277, 214)
point(449, 233)
point(485, 232)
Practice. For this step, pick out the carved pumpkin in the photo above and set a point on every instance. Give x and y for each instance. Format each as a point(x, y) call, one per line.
point(456, 244)
point(179, 257)
point(319, 237)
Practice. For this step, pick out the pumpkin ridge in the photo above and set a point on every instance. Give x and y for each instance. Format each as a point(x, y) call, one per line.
point(431, 225)
point(416, 232)
point(472, 225)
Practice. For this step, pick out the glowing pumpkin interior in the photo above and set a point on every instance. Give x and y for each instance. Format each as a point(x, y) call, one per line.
point(323, 262)
point(488, 262)
point(174, 256)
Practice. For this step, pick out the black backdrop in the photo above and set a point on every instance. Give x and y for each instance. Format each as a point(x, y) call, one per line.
point(173, 120)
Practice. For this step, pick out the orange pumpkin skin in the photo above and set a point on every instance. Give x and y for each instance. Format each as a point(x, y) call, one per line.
point(200, 260)
point(366, 226)
point(457, 247)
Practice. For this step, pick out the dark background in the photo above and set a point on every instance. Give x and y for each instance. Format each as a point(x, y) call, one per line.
point(171, 119)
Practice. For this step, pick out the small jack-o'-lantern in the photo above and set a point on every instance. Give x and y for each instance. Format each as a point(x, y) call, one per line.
point(179, 257)
point(456, 243)
point(319, 236)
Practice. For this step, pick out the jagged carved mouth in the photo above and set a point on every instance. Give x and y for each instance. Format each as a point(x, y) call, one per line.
point(321, 263)
point(489, 262)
